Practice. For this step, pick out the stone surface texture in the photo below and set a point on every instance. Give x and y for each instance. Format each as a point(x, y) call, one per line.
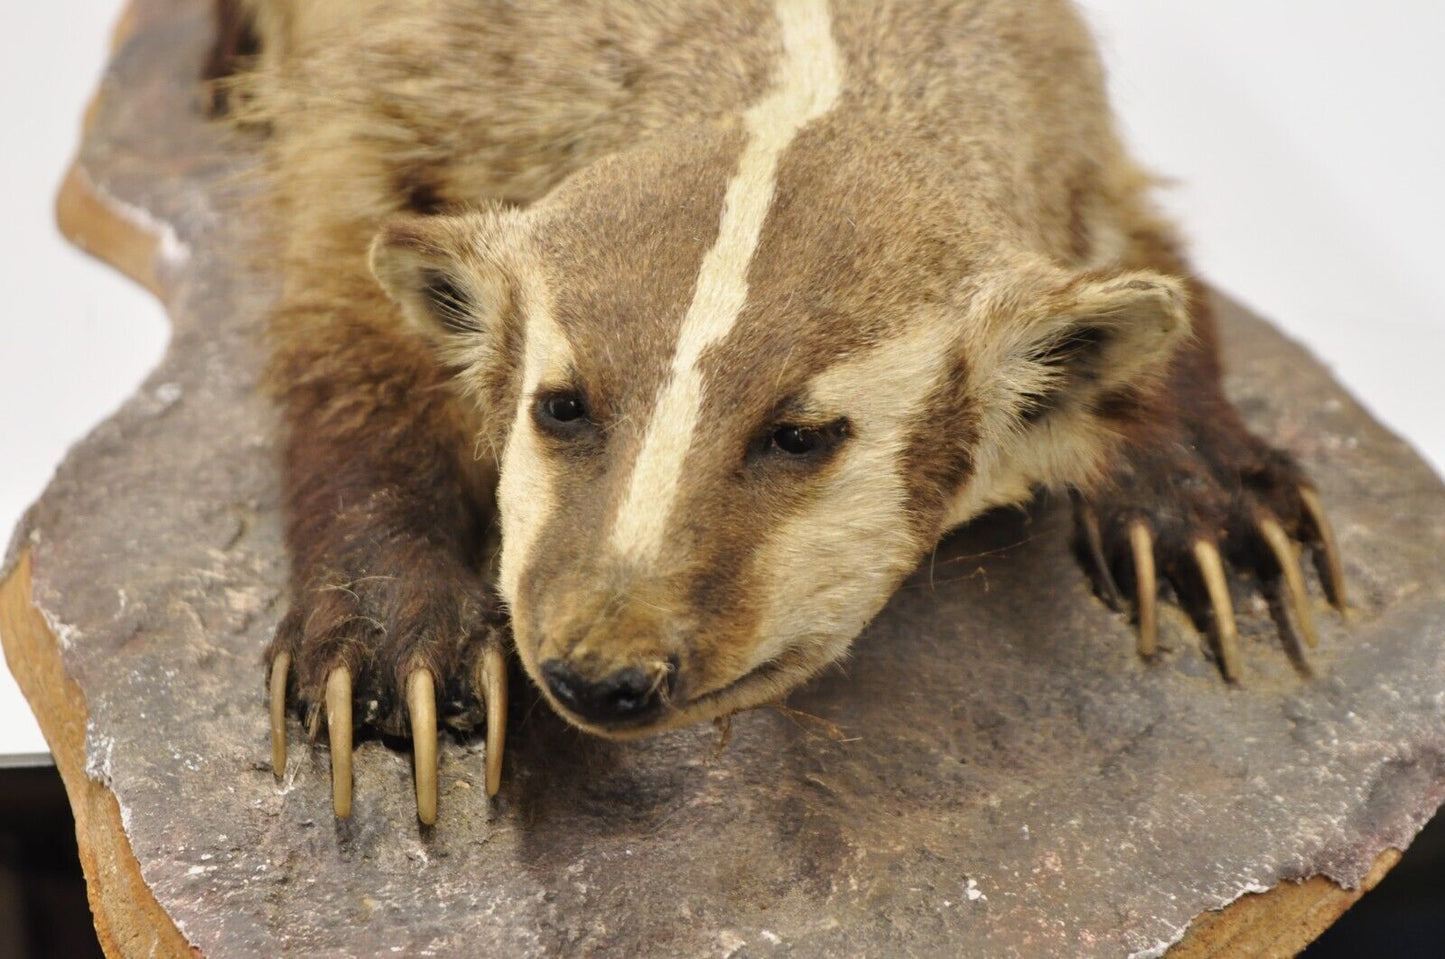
point(993, 773)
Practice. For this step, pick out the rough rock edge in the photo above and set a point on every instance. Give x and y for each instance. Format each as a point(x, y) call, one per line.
point(1273, 922)
point(129, 921)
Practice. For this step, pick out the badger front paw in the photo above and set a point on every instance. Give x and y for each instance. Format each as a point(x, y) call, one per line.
point(392, 653)
point(1185, 510)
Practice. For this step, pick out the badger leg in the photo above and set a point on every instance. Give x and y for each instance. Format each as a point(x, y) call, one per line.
point(1193, 496)
point(393, 627)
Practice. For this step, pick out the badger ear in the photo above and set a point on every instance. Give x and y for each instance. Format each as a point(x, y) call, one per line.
point(1093, 337)
point(443, 273)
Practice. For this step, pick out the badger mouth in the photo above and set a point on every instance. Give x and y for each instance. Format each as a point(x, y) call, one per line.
point(762, 685)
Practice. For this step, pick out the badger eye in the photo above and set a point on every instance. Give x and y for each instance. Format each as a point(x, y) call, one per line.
point(796, 446)
point(798, 440)
point(561, 413)
point(565, 408)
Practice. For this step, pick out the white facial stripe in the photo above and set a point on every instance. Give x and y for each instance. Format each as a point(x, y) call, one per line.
point(830, 568)
point(810, 78)
point(525, 495)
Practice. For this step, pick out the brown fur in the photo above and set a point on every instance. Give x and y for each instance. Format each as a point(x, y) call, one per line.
point(965, 193)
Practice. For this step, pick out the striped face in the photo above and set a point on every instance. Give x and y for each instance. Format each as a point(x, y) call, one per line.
point(717, 507)
point(738, 387)
point(692, 492)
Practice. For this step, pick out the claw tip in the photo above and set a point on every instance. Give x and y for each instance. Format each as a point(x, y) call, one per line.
point(1141, 542)
point(1211, 569)
point(279, 669)
point(492, 679)
point(338, 727)
point(422, 712)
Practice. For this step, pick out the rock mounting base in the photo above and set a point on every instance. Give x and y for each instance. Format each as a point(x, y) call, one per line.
point(993, 773)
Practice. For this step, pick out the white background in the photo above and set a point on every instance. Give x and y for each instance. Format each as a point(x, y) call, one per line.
point(1306, 137)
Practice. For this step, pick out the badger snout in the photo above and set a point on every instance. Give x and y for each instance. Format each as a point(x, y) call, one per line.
point(627, 695)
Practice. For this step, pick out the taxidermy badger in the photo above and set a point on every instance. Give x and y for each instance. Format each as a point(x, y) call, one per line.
point(720, 313)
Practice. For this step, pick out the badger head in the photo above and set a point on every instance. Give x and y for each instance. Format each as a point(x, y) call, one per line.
point(740, 379)
point(719, 457)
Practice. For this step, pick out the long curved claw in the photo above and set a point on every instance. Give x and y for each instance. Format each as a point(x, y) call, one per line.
point(1147, 588)
point(421, 704)
point(1333, 569)
point(1294, 581)
point(491, 680)
point(280, 666)
point(1211, 568)
point(1094, 544)
point(338, 727)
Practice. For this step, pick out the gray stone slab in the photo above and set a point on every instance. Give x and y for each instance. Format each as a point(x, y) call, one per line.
point(1009, 777)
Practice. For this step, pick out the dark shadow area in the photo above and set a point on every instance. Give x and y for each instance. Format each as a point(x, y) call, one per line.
point(43, 909)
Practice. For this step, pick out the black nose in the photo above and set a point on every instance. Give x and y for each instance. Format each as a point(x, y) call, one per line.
point(626, 694)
